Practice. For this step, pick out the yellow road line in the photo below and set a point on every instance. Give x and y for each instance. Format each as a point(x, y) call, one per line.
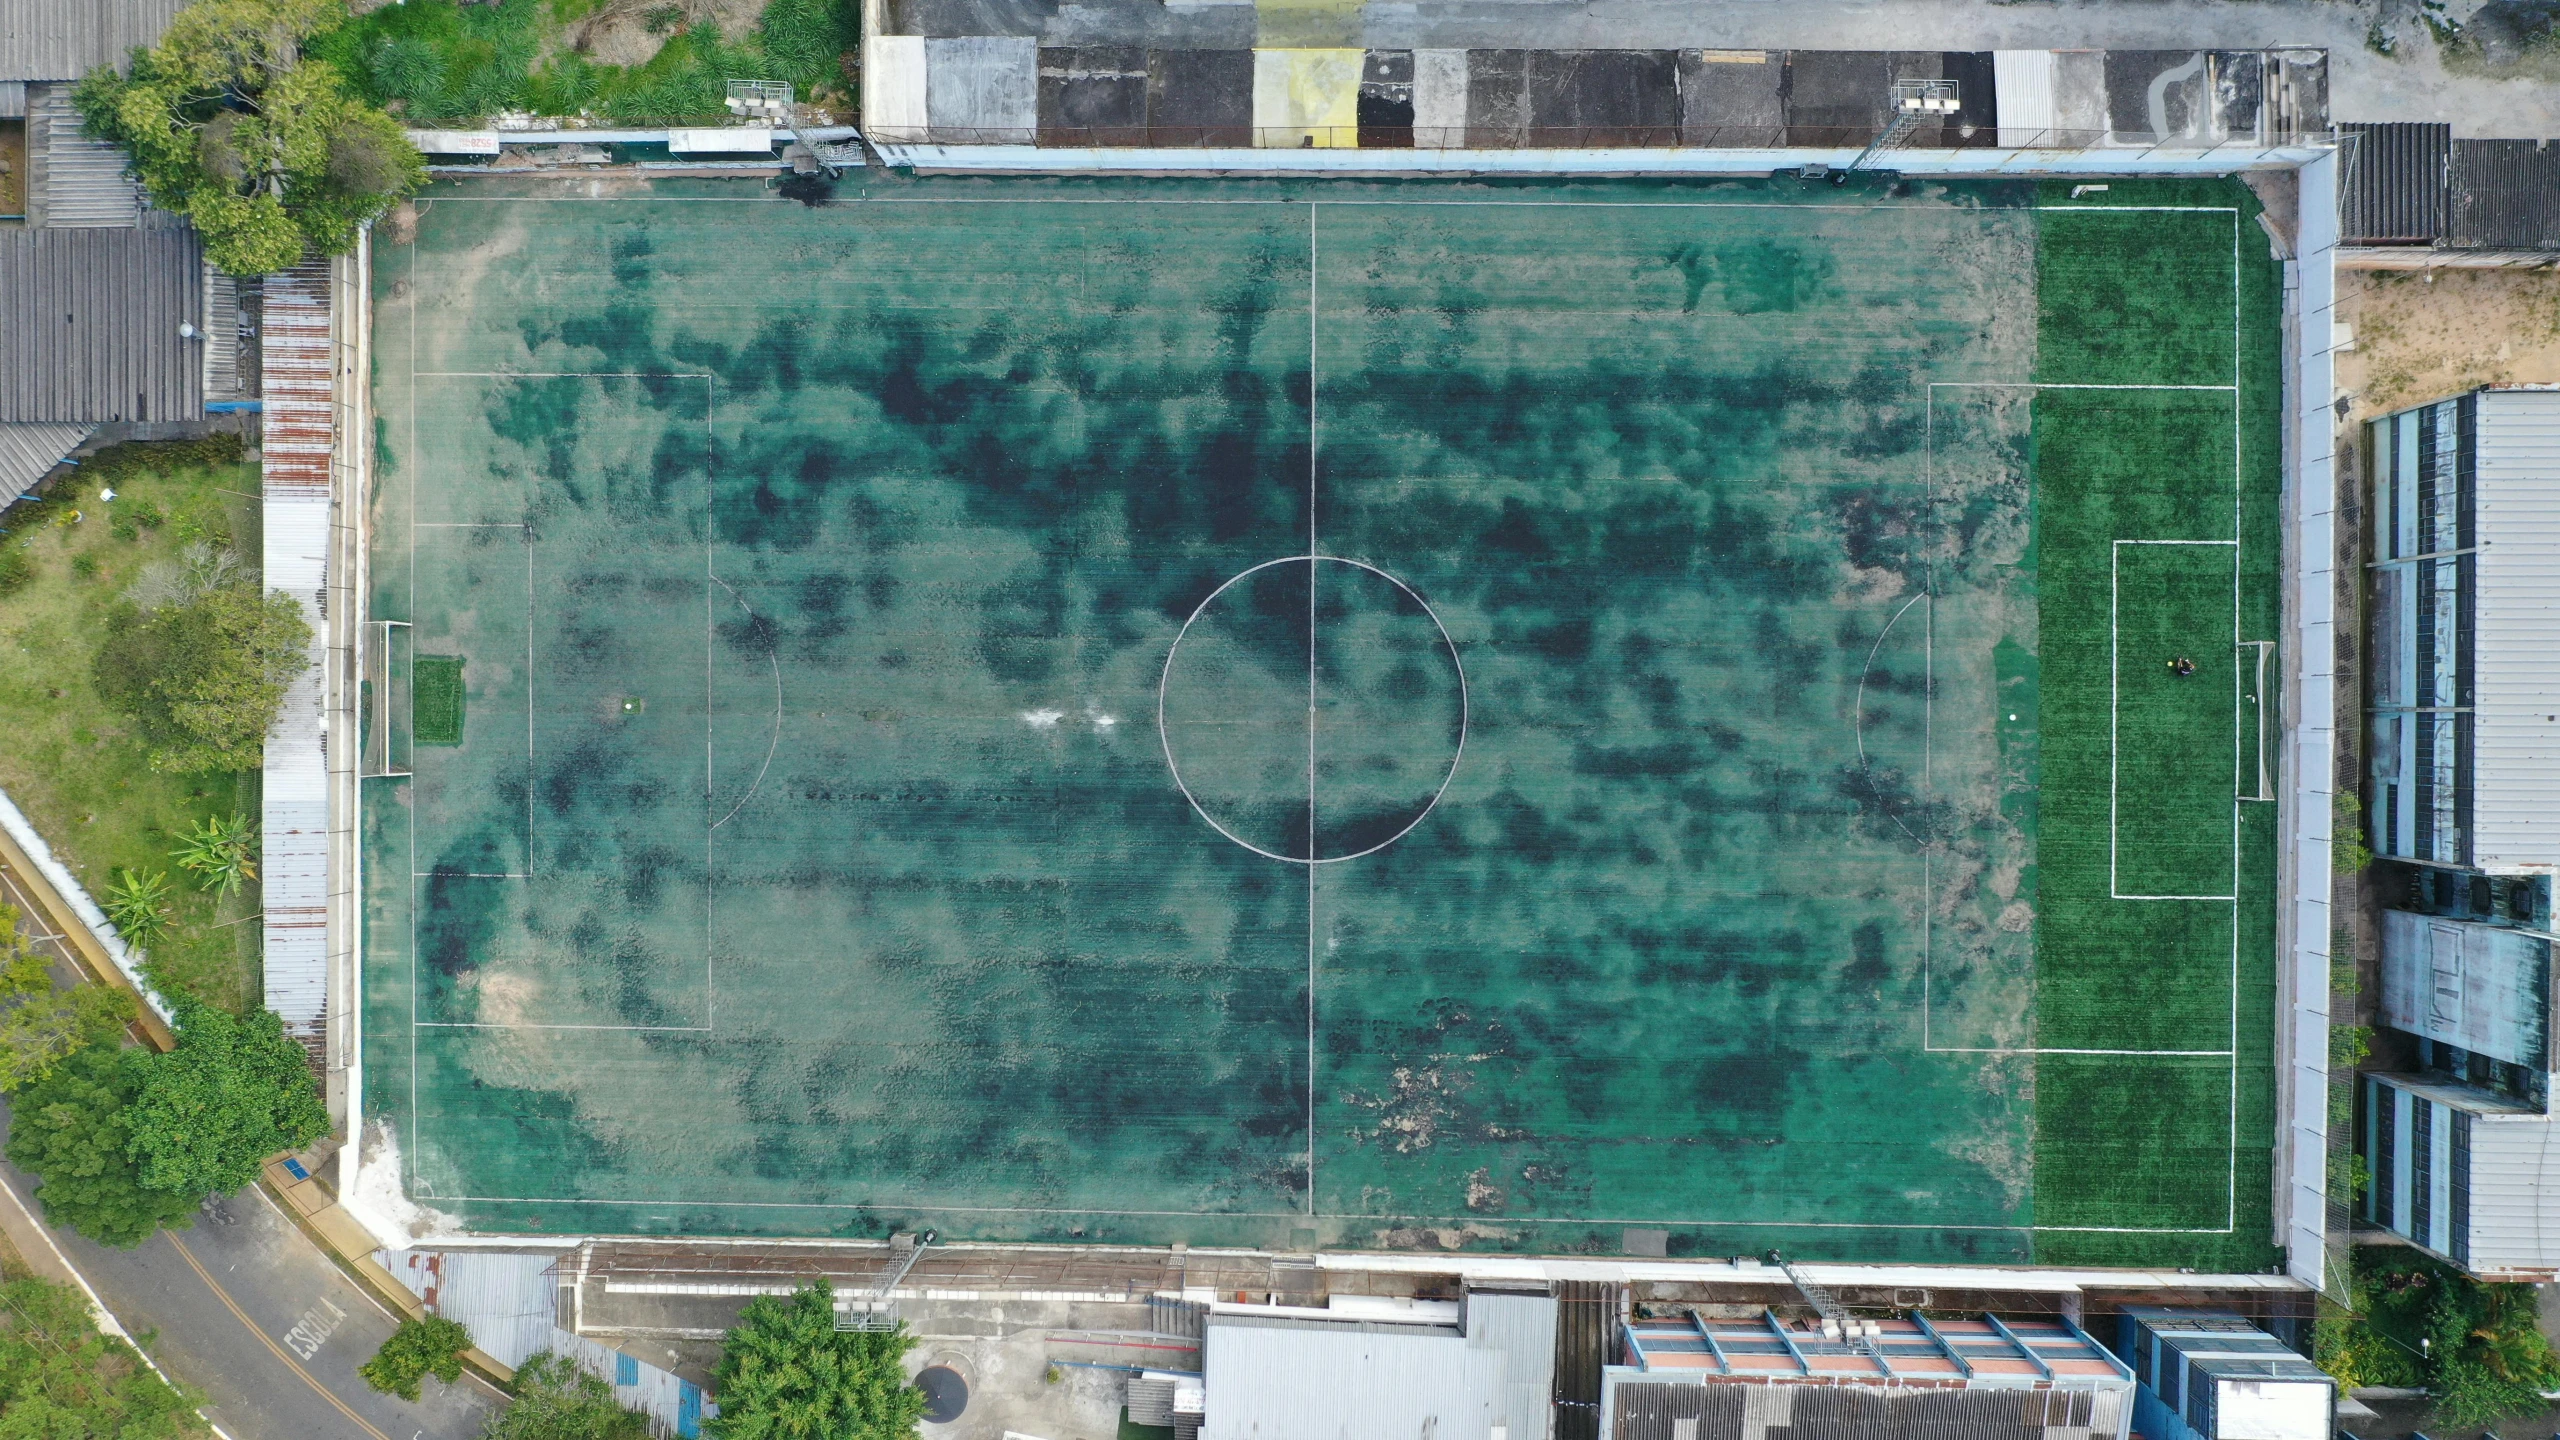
point(290, 1363)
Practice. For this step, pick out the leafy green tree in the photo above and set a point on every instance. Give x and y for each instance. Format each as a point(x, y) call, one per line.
point(61, 1377)
point(139, 906)
point(220, 853)
point(205, 676)
point(41, 1026)
point(556, 1400)
point(69, 1130)
point(270, 154)
point(787, 1373)
point(235, 1091)
point(422, 1346)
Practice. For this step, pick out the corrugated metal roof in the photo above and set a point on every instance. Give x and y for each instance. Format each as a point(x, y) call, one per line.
point(298, 422)
point(1649, 1409)
point(2515, 1170)
point(64, 39)
point(92, 318)
point(2395, 184)
point(507, 1300)
point(27, 451)
point(2504, 194)
point(1315, 1380)
point(82, 181)
point(2516, 689)
point(1522, 1328)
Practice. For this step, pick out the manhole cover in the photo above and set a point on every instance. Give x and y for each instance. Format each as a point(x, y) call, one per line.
point(945, 1393)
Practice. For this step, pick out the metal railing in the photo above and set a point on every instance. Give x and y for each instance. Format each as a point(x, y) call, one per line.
point(1664, 135)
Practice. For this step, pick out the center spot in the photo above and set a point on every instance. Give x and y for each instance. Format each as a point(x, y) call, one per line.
point(1313, 709)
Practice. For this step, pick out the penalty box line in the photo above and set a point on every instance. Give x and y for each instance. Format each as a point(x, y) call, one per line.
point(1928, 1044)
point(710, 430)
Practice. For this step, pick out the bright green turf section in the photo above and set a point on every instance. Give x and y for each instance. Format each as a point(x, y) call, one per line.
point(2136, 783)
point(437, 700)
point(812, 861)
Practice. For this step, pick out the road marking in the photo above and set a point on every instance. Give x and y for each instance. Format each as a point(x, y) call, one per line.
point(314, 1329)
point(289, 1362)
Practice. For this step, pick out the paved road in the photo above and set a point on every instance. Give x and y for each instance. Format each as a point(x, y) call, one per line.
point(253, 1316)
point(250, 1314)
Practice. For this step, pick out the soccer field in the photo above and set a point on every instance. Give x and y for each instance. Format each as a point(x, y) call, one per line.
point(1350, 714)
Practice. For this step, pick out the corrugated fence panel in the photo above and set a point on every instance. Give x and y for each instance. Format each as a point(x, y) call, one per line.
point(295, 356)
point(2395, 190)
point(2504, 195)
point(2516, 745)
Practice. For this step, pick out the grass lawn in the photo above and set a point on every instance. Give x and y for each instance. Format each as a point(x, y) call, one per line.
point(70, 763)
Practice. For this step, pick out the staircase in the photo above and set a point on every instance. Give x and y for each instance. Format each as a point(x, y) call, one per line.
point(1834, 1314)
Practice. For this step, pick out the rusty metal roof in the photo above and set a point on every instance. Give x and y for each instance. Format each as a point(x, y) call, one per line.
point(296, 361)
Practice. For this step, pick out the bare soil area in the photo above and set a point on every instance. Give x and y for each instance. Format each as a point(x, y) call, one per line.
point(2422, 337)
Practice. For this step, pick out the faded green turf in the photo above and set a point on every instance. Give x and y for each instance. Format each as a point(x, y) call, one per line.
point(436, 700)
point(814, 860)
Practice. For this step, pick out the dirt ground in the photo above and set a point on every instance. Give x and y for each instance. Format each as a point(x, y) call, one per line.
point(2422, 337)
point(13, 167)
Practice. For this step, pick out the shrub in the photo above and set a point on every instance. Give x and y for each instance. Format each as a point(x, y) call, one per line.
point(206, 676)
point(555, 1400)
point(221, 854)
point(419, 1348)
point(139, 906)
point(235, 1091)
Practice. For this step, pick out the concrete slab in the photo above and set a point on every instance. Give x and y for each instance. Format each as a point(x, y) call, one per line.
point(1200, 97)
point(984, 88)
point(1497, 98)
point(947, 19)
point(1306, 98)
point(2157, 93)
point(1386, 100)
point(893, 87)
point(1439, 98)
point(1583, 98)
point(1835, 97)
point(1731, 97)
point(1093, 95)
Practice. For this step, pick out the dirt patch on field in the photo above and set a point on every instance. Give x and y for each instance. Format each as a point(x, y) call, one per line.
point(630, 32)
point(2420, 338)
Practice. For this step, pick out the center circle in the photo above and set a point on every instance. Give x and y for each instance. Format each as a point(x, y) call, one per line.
point(1313, 709)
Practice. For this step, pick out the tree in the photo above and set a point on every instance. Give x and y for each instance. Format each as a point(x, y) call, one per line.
point(204, 676)
point(787, 1373)
point(556, 1400)
point(40, 1026)
point(209, 1113)
point(59, 1376)
point(422, 1346)
point(269, 153)
point(70, 1131)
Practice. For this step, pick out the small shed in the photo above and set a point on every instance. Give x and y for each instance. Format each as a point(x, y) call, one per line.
point(1480, 1369)
point(2208, 1375)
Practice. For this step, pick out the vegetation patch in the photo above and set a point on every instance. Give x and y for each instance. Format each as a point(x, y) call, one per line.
point(630, 61)
point(2417, 1321)
point(436, 708)
point(79, 768)
point(60, 1376)
point(422, 1346)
